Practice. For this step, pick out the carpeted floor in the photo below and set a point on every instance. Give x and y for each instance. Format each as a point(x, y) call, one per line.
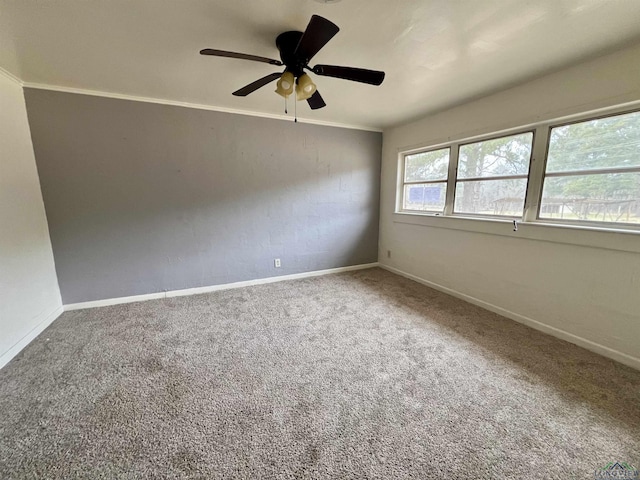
point(357, 375)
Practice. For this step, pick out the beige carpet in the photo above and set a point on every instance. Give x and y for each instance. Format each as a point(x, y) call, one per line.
point(358, 375)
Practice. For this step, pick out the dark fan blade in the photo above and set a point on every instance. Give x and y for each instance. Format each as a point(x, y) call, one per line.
point(252, 87)
point(243, 56)
point(318, 33)
point(316, 101)
point(372, 77)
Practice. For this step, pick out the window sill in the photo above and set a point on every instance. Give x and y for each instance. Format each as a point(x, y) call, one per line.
point(597, 237)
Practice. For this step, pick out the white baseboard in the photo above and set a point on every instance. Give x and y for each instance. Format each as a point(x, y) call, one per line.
point(46, 320)
point(114, 301)
point(624, 358)
point(213, 288)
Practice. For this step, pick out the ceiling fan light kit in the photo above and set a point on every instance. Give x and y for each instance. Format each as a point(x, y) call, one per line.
point(305, 87)
point(296, 51)
point(284, 87)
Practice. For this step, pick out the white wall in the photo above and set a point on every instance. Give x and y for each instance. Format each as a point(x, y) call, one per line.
point(578, 285)
point(29, 294)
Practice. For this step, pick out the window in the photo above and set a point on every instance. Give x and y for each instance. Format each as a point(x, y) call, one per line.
point(587, 173)
point(425, 180)
point(593, 171)
point(492, 176)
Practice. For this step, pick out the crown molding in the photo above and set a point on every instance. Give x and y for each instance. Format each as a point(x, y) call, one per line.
point(198, 106)
point(7, 74)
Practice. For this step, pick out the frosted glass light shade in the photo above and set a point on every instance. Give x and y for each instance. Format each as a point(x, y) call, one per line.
point(284, 87)
point(305, 87)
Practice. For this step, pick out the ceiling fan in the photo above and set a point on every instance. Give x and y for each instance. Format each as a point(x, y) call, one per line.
point(296, 50)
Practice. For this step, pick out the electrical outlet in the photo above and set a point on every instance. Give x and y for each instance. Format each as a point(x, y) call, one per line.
point(276, 263)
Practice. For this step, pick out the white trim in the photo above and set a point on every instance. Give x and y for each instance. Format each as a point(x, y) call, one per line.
point(12, 77)
point(582, 235)
point(530, 322)
point(198, 106)
point(114, 301)
point(47, 319)
point(213, 288)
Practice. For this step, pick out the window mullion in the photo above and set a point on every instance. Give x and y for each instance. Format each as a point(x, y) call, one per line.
point(599, 171)
point(536, 173)
point(496, 177)
point(451, 179)
point(400, 183)
point(426, 182)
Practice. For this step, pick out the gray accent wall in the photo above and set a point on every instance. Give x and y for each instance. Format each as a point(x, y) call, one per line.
point(144, 198)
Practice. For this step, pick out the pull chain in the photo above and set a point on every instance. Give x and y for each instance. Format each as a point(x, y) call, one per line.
point(285, 105)
point(295, 109)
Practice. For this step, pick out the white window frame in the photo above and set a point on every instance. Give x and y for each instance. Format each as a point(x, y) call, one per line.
point(501, 177)
point(403, 183)
point(544, 175)
point(617, 236)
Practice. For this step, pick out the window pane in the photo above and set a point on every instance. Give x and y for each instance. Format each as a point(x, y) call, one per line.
point(429, 197)
point(602, 143)
point(491, 197)
point(426, 166)
point(593, 198)
point(500, 156)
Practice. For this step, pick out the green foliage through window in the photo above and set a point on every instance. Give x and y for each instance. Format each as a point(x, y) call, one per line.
point(499, 157)
point(591, 174)
point(592, 171)
point(420, 168)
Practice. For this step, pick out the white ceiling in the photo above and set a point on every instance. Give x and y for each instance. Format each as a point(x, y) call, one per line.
point(436, 53)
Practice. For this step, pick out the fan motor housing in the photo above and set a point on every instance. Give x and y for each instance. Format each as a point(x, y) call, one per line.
point(287, 43)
